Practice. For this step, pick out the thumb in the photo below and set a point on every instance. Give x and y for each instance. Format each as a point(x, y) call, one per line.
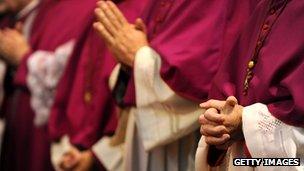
point(140, 25)
point(3, 7)
point(19, 27)
point(232, 101)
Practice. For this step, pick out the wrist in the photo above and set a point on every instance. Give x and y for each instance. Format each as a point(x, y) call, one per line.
point(234, 124)
point(19, 55)
point(133, 54)
point(240, 135)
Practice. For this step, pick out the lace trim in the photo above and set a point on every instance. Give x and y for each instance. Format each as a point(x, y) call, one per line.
point(45, 70)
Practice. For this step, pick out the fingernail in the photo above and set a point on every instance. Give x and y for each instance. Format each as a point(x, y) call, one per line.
point(226, 136)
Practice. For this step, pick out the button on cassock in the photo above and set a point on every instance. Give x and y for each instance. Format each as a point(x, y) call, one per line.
point(272, 11)
point(265, 27)
point(87, 97)
point(251, 64)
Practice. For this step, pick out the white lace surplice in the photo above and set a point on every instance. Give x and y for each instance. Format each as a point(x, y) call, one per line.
point(44, 71)
point(157, 128)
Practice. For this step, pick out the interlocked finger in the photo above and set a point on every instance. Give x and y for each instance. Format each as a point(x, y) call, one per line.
point(219, 105)
point(217, 140)
point(215, 131)
point(213, 116)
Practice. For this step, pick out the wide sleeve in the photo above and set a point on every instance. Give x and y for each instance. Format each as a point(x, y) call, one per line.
point(91, 112)
point(162, 116)
point(290, 107)
point(110, 156)
point(269, 137)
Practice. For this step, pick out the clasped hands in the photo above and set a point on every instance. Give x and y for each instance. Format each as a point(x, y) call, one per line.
point(122, 38)
point(75, 160)
point(221, 123)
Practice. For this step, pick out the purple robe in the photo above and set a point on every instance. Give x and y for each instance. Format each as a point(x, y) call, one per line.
point(191, 43)
point(83, 108)
point(277, 78)
point(55, 24)
point(9, 148)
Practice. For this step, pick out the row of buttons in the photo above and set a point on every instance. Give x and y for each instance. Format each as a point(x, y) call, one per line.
point(276, 7)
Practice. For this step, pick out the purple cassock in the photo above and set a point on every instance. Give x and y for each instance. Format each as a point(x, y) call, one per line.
point(266, 64)
point(57, 22)
point(84, 108)
point(191, 38)
point(8, 20)
point(269, 53)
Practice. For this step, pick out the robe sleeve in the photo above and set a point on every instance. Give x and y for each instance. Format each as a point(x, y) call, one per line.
point(290, 107)
point(161, 116)
point(91, 118)
point(110, 156)
point(267, 136)
point(58, 149)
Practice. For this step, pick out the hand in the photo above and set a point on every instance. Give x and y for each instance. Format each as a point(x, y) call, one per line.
point(77, 161)
point(214, 132)
point(3, 8)
point(70, 159)
point(123, 39)
point(86, 161)
point(13, 46)
point(229, 120)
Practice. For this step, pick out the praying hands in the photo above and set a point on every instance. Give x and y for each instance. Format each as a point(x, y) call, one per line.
point(122, 38)
point(221, 124)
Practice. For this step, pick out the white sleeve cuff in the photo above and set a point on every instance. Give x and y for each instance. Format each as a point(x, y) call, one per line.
point(161, 115)
point(58, 149)
point(267, 136)
point(111, 157)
